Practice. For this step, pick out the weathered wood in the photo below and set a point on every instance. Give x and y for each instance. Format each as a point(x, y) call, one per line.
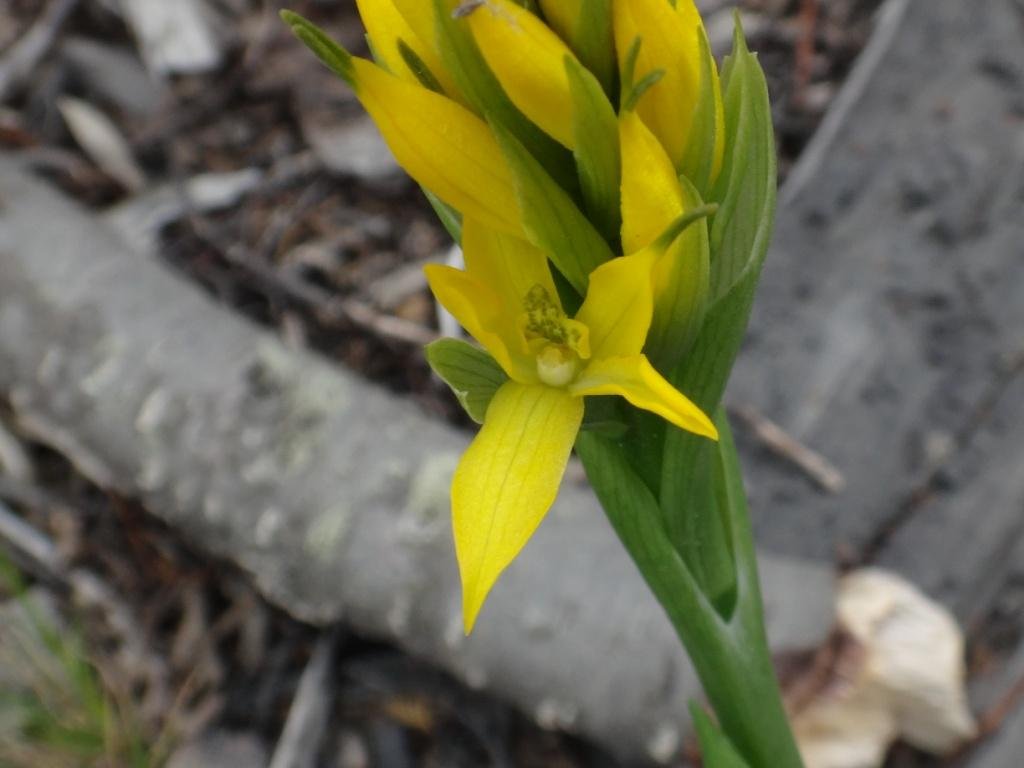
point(997, 689)
point(889, 334)
point(892, 297)
point(963, 543)
point(1005, 747)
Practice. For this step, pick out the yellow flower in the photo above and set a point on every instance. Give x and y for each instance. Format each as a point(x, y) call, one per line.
point(506, 298)
point(669, 40)
point(401, 49)
point(459, 90)
point(528, 59)
point(651, 196)
point(442, 145)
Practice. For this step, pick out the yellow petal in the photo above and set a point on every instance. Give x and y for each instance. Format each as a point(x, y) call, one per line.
point(507, 481)
point(508, 265)
point(387, 28)
point(529, 61)
point(636, 380)
point(419, 15)
point(479, 310)
point(562, 16)
point(442, 145)
point(651, 195)
point(668, 42)
point(619, 305)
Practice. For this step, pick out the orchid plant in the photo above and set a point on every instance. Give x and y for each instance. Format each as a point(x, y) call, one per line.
point(613, 196)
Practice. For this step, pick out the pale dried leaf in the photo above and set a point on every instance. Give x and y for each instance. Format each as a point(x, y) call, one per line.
point(97, 135)
point(900, 677)
point(173, 37)
point(140, 218)
point(351, 146)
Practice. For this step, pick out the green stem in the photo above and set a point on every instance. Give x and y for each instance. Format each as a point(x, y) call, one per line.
point(758, 720)
point(731, 655)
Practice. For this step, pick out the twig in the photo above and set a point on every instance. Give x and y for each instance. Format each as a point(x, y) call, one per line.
point(23, 493)
point(397, 285)
point(36, 549)
point(803, 58)
point(813, 464)
point(284, 218)
point(388, 326)
point(331, 308)
point(328, 307)
point(307, 719)
point(14, 459)
point(24, 55)
point(993, 718)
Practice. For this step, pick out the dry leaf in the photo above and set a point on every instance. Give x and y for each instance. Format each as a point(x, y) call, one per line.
point(900, 675)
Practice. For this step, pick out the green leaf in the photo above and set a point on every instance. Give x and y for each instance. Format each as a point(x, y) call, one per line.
point(628, 71)
point(746, 185)
point(598, 165)
point(472, 374)
point(337, 59)
point(698, 161)
point(715, 748)
point(593, 43)
point(639, 88)
point(631, 89)
point(476, 81)
point(633, 512)
point(731, 504)
point(551, 219)
point(731, 658)
point(740, 235)
point(450, 218)
point(418, 67)
point(682, 297)
point(604, 416)
point(687, 498)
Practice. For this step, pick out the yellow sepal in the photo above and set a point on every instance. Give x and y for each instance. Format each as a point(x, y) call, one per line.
point(419, 15)
point(619, 305)
point(442, 145)
point(563, 16)
point(507, 480)
point(635, 379)
point(669, 42)
point(529, 61)
point(650, 192)
point(479, 309)
point(508, 265)
point(386, 26)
